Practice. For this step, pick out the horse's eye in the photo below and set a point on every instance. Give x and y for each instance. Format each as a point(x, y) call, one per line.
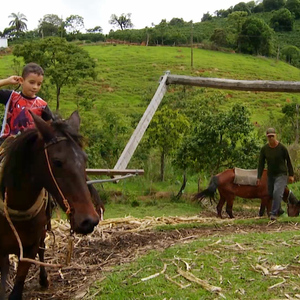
point(57, 163)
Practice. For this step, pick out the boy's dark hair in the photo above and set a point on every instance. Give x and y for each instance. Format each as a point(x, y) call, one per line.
point(32, 68)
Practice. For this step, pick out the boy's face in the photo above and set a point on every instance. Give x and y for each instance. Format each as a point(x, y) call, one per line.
point(31, 84)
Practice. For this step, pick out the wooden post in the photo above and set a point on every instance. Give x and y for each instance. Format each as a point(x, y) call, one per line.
point(192, 46)
point(142, 126)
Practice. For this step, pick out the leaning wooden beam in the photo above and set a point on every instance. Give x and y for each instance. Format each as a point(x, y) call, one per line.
point(142, 126)
point(241, 85)
point(112, 172)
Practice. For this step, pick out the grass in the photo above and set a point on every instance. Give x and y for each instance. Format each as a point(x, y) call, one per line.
point(155, 208)
point(233, 262)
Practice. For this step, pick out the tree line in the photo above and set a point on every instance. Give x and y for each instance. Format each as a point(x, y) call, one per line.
point(248, 27)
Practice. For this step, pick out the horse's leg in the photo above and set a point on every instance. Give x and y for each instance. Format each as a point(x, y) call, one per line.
point(263, 206)
point(220, 206)
point(4, 265)
point(22, 272)
point(229, 205)
point(43, 273)
point(268, 205)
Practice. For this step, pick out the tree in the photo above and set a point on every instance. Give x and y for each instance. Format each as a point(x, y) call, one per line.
point(291, 53)
point(9, 32)
point(235, 22)
point(64, 63)
point(251, 5)
point(124, 21)
point(256, 37)
point(242, 6)
point(294, 7)
point(282, 20)
point(102, 149)
point(219, 37)
point(206, 17)
point(161, 29)
point(258, 8)
point(177, 22)
point(270, 5)
point(291, 112)
point(97, 29)
point(220, 140)
point(50, 25)
point(18, 22)
point(222, 13)
point(165, 132)
point(74, 24)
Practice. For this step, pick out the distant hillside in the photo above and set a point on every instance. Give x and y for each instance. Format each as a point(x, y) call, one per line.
point(128, 77)
point(179, 32)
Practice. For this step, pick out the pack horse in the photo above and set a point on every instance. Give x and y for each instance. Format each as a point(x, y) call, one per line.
point(228, 188)
point(51, 157)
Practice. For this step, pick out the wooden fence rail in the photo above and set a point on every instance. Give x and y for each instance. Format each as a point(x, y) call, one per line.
point(112, 172)
point(241, 85)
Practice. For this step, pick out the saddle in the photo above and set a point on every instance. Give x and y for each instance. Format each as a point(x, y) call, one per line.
point(245, 177)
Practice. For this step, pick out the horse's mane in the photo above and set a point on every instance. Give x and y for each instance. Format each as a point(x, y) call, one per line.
point(19, 154)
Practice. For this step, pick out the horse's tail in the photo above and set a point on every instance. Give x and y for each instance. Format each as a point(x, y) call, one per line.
point(209, 191)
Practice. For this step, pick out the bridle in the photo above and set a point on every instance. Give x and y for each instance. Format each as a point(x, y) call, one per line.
point(54, 141)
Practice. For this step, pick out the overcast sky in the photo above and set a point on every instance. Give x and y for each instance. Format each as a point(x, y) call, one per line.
point(98, 12)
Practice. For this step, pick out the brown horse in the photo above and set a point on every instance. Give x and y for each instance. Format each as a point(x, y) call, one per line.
point(49, 157)
point(228, 190)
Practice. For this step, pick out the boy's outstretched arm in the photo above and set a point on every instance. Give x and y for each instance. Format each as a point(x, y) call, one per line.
point(10, 80)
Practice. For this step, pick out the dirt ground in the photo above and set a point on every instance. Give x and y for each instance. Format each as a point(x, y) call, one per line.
point(120, 241)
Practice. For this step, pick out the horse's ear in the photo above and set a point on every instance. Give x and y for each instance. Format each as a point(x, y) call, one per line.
point(43, 127)
point(74, 120)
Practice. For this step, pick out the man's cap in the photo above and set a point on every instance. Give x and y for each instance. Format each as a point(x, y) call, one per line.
point(271, 131)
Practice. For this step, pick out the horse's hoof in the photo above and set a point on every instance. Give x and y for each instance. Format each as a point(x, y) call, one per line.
point(44, 282)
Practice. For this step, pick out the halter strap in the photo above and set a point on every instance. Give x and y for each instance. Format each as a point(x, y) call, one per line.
point(20, 215)
point(55, 140)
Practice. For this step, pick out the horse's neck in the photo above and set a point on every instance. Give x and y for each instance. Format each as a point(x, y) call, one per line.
point(22, 198)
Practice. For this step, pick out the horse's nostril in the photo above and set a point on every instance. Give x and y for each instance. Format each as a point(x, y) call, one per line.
point(87, 226)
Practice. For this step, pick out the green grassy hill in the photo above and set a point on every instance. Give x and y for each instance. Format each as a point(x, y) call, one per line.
point(128, 77)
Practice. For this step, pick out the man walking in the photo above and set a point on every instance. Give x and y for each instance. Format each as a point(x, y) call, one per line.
point(279, 169)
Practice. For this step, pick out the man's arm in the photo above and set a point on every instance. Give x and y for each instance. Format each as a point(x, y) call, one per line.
point(261, 166)
point(290, 167)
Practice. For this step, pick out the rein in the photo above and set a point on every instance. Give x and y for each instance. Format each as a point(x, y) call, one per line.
point(52, 142)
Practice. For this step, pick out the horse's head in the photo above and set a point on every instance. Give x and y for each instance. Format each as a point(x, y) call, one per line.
point(293, 205)
point(62, 168)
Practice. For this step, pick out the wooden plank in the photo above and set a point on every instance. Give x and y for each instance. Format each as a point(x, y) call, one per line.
point(241, 85)
point(142, 126)
point(112, 172)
